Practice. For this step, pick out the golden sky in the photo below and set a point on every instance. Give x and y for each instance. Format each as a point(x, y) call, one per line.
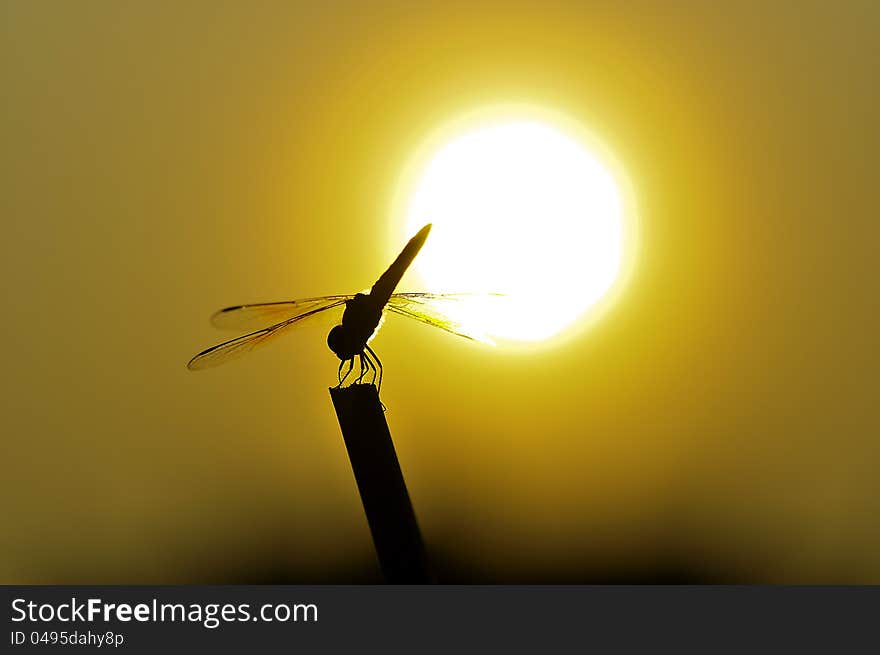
point(163, 160)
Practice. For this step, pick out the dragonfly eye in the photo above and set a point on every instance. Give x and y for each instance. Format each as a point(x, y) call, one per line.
point(338, 342)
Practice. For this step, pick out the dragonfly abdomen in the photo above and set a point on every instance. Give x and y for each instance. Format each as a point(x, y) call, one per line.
point(387, 282)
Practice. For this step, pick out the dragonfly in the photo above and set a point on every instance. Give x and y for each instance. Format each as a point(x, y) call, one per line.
point(361, 319)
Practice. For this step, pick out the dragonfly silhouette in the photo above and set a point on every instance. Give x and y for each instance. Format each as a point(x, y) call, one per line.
point(360, 321)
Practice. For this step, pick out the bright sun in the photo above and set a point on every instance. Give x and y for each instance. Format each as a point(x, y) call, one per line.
point(521, 208)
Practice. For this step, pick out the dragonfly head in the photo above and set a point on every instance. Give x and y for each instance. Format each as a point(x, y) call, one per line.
point(341, 343)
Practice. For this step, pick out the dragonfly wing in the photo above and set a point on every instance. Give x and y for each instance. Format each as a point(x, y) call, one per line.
point(267, 314)
point(442, 310)
point(222, 353)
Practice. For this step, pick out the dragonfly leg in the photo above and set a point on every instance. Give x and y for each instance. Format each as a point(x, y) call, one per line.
point(342, 377)
point(373, 369)
point(361, 360)
point(378, 365)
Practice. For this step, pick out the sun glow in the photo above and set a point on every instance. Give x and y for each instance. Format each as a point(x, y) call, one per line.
point(521, 208)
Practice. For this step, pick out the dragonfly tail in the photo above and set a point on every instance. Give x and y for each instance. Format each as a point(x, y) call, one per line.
point(386, 284)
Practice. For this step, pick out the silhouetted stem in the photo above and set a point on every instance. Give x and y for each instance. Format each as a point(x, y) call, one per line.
point(390, 515)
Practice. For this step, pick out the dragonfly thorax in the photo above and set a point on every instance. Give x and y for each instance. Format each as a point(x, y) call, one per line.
point(359, 321)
